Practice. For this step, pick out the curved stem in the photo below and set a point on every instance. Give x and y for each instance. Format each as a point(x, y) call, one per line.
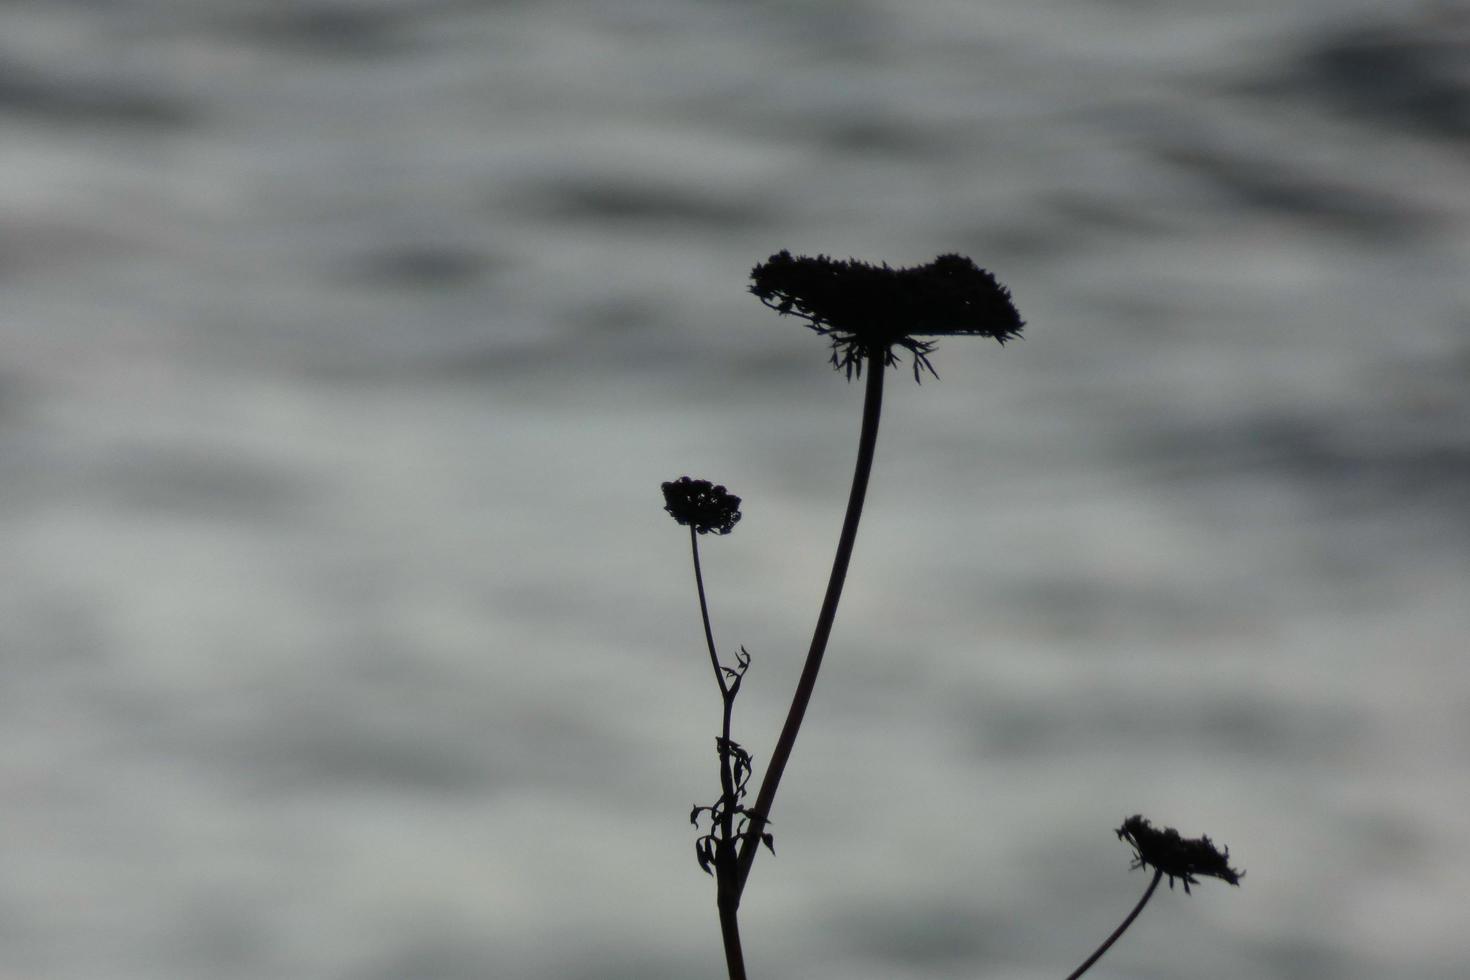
point(872, 408)
point(709, 636)
point(1108, 943)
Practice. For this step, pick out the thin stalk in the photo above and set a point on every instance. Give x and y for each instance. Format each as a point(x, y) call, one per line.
point(709, 635)
point(872, 409)
point(727, 897)
point(727, 696)
point(1108, 943)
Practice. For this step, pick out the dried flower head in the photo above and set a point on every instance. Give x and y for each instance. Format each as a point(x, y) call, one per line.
point(1176, 856)
point(866, 308)
point(701, 505)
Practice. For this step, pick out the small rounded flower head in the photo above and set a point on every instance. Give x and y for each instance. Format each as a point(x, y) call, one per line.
point(699, 504)
point(1176, 856)
point(866, 308)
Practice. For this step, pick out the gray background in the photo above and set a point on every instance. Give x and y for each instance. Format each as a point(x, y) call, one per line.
point(345, 346)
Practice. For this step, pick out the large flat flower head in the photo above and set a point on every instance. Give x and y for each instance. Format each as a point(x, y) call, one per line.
point(1176, 856)
point(704, 506)
point(865, 308)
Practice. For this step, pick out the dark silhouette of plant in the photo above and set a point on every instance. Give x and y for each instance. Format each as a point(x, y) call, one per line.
point(1171, 856)
point(867, 313)
point(707, 508)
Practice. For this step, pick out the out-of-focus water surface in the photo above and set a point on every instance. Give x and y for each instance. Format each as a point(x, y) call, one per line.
point(345, 346)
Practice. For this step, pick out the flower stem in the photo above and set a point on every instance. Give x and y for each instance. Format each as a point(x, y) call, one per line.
point(727, 697)
point(872, 409)
point(728, 898)
point(709, 636)
point(1108, 943)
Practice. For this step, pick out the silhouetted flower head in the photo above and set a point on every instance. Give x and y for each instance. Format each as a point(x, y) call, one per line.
point(701, 505)
point(865, 308)
point(1177, 857)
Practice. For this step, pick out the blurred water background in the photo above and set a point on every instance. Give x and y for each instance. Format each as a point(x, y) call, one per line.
point(345, 345)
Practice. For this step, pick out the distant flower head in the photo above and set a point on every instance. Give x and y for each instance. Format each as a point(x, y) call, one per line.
point(865, 308)
point(701, 505)
point(1177, 857)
